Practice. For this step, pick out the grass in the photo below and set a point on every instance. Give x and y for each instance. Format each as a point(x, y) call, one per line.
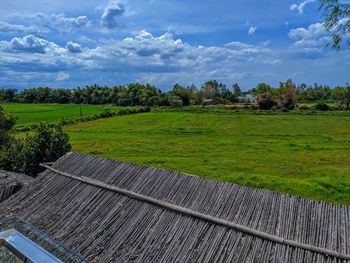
point(28, 114)
point(304, 155)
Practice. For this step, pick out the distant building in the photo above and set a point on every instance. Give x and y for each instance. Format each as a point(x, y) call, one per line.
point(208, 102)
point(247, 98)
point(111, 211)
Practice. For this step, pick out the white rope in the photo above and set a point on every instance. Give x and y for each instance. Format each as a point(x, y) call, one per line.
point(202, 216)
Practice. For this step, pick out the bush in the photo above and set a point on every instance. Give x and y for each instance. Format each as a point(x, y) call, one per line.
point(266, 101)
point(303, 107)
point(321, 106)
point(287, 100)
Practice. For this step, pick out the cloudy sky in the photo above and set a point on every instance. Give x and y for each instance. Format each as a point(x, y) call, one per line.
point(70, 43)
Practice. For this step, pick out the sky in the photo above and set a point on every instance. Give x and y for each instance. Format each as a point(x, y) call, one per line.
point(163, 42)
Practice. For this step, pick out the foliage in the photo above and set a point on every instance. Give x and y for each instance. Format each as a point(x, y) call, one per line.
point(336, 14)
point(136, 94)
point(287, 99)
point(236, 91)
point(7, 121)
point(321, 106)
point(46, 144)
point(262, 88)
point(266, 101)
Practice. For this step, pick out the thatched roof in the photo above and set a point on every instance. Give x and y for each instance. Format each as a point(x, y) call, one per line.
point(10, 183)
point(110, 211)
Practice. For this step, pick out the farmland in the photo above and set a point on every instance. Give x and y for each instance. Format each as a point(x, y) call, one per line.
point(304, 155)
point(33, 113)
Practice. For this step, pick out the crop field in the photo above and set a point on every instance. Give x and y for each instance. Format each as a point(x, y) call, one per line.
point(304, 155)
point(34, 113)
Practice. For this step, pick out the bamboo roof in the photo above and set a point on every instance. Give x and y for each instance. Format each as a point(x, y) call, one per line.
point(111, 211)
point(10, 183)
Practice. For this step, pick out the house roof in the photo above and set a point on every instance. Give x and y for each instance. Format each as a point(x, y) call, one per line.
point(10, 183)
point(110, 211)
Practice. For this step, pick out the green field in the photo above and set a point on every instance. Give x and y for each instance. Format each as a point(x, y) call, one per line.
point(34, 113)
point(304, 155)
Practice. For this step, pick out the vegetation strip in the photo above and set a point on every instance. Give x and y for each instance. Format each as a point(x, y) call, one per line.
point(202, 216)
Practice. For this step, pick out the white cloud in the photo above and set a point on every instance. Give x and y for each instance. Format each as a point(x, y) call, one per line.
point(74, 47)
point(300, 7)
point(312, 31)
point(252, 30)
point(309, 42)
point(163, 57)
point(20, 29)
point(61, 76)
point(113, 10)
point(29, 43)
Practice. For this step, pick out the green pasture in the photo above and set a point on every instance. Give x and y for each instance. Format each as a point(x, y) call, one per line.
point(34, 113)
point(304, 155)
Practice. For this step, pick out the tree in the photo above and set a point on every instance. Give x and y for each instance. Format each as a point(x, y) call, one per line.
point(287, 99)
point(266, 101)
point(346, 97)
point(183, 94)
point(7, 121)
point(262, 88)
point(236, 91)
point(46, 144)
point(336, 14)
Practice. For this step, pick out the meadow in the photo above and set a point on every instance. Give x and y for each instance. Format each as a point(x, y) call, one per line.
point(28, 114)
point(299, 154)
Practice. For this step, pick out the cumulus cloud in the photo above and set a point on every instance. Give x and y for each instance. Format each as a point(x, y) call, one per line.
point(74, 47)
point(312, 31)
point(141, 56)
point(252, 30)
point(113, 10)
point(60, 22)
point(29, 43)
point(20, 29)
point(61, 76)
point(309, 42)
point(300, 7)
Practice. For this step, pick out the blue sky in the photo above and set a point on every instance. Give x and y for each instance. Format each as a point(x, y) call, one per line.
point(70, 43)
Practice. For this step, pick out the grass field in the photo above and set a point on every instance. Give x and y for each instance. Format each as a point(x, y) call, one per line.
point(304, 155)
point(33, 113)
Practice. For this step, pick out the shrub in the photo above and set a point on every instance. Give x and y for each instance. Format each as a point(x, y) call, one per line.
point(46, 144)
point(322, 106)
point(303, 107)
point(266, 101)
point(287, 100)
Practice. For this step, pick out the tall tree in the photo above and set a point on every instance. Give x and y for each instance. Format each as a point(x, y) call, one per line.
point(236, 90)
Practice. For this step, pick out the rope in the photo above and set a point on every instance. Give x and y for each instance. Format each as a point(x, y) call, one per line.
point(202, 216)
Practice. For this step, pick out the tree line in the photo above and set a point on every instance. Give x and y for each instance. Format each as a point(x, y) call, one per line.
point(136, 94)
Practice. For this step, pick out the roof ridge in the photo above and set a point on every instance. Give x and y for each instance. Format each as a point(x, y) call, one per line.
point(202, 216)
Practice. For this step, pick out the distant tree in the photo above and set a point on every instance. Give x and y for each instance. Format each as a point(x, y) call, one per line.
point(287, 99)
point(8, 95)
point(216, 91)
point(266, 101)
point(263, 88)
point(236, 91)
point(336, 14)
point(182, 93)
point(346, 97)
